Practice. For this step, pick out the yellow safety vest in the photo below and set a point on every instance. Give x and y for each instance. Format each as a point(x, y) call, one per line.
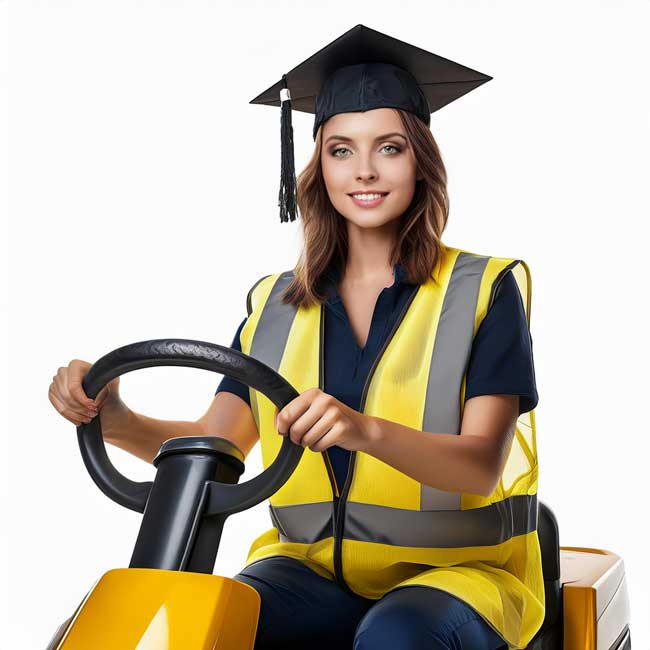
point(386, 529)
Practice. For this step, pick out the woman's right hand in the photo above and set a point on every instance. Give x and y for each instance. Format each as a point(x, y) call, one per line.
point(67, 395)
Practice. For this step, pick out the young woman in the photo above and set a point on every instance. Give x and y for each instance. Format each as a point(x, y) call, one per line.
point(372, 255)
point(410, 521)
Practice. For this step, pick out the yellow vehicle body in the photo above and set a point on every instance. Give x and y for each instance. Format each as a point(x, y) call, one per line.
point(596, 609)
point(151, 609)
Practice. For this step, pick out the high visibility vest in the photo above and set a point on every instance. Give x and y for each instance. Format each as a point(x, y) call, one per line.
point(385, 529)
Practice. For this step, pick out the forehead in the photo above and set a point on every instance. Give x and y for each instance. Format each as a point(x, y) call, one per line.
point(366, 124)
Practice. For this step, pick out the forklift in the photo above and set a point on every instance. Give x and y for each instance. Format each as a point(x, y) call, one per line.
point(168, 597)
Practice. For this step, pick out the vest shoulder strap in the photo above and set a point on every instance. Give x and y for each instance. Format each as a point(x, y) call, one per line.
point(263, 287)
point(249, 295)
point(520, 271)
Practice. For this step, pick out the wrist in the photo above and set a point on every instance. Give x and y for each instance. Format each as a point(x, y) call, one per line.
point(373, 433)
point(115, 419)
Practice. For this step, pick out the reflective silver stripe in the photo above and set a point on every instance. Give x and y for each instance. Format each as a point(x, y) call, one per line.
point(449, 360)
point(272, 331)
point(305, 523)
point(487, 526)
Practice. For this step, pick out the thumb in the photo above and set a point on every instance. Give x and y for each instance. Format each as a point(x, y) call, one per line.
point(101, 396)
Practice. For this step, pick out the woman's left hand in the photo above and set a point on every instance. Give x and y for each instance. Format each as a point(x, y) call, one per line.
point(317, 420)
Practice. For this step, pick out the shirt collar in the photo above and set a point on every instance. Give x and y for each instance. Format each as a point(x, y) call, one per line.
point(333, 275)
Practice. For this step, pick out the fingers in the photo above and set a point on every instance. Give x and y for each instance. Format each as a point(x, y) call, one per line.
point(320, 436)
point(286, 417)
point(74, 416)
point(110, 391)
point(308, 421)
point(101, 397)
point(326, 441)
point(289, 419)
point(76, 372)
point(67, 396)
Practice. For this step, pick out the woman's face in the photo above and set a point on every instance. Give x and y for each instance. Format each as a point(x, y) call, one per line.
point(366, 154)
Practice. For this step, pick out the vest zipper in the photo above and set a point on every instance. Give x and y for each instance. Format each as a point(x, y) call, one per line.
point(321, 384)
point(340, 510)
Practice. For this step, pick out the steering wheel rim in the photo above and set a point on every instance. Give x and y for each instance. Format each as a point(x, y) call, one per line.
point(223, 498)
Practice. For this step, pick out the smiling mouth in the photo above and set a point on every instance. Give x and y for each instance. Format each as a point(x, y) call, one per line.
point(368, 196)
point(368, 199)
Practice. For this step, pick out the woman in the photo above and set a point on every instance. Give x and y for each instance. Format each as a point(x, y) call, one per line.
point(295, 599)
point(383, 505)
point(408, 522)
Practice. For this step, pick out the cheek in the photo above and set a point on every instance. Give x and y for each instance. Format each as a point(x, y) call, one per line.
point(408, 175)
point(401, 179)
point(337, 182)
point(334, 176)
point(403, 174)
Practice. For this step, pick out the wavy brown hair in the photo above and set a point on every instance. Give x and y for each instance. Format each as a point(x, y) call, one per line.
point(418, 244)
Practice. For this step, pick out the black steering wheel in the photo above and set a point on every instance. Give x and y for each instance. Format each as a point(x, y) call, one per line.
point(223, 498)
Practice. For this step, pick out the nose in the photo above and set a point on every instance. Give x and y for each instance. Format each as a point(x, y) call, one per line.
point(367, 177)
point(366, 170)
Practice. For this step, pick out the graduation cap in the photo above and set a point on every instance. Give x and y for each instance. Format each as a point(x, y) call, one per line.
point(361, 70)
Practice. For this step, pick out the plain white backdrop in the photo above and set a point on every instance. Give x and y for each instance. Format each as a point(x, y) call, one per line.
point(142, 190)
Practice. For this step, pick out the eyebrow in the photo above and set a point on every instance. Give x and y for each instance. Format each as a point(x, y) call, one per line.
point(386, 136)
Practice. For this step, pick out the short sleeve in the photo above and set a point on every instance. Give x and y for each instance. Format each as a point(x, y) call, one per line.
point(501, 360)
point(229, 384)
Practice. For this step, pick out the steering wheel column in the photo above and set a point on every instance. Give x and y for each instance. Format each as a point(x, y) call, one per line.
point(174, 533)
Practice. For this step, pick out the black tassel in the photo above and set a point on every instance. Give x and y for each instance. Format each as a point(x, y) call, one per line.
point(287, 195)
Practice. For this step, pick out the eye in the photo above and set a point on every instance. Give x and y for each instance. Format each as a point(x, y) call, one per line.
point(335, 154)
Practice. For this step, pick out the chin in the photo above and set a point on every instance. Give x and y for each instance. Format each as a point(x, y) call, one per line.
point(366, 218)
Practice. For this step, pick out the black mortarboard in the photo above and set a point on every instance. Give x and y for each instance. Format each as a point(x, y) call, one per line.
point(361, 70)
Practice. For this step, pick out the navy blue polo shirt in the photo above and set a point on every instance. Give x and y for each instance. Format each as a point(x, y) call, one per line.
point(501, 360)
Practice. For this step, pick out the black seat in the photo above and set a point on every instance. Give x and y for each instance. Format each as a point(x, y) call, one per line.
point(550, 635)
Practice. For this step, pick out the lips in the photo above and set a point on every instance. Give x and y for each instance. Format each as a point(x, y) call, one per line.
point(372, 203)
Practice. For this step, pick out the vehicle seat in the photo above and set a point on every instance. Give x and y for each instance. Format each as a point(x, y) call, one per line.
point(550, 635)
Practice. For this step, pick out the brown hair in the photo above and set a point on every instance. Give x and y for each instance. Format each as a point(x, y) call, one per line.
point(418, 245)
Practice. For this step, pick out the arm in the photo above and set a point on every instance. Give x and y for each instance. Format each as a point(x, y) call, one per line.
point(501, 362)
point(228, 417)
point(470, 462)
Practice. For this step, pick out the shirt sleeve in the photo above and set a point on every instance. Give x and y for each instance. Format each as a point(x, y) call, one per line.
point(501, 360)
point(229, 384)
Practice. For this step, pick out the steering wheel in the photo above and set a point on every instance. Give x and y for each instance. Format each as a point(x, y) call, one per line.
point(223, 498)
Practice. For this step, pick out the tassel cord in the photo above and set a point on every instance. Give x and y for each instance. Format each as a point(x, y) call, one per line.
point(287, 201)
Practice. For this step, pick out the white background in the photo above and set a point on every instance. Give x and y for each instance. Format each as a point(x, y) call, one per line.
point(142, 203)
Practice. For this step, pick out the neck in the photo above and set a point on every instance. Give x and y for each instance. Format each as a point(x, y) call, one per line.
point(369, 251)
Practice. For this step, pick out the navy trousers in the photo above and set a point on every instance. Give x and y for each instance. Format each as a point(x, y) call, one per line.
point(301, 610)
